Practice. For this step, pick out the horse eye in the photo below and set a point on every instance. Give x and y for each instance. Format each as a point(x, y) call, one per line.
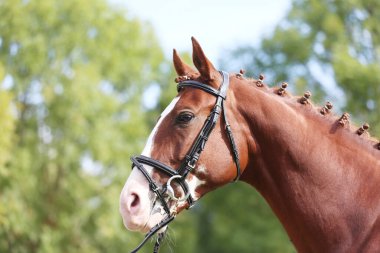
point(184, 117)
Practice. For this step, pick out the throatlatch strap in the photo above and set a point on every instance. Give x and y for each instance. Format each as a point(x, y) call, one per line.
point(235, 152)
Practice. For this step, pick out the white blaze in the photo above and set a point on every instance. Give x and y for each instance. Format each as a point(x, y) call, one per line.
point(149, 144)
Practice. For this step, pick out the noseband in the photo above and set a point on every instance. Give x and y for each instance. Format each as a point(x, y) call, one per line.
point(166, 193)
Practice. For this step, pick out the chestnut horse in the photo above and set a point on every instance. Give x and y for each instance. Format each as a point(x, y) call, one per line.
point(320, 176)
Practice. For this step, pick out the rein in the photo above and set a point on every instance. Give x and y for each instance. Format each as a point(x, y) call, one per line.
point(166, 193)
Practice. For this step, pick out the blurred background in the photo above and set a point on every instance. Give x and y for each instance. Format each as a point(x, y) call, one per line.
point(83, 81)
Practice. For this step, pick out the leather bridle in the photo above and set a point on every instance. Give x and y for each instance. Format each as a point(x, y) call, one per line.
point(166, 193)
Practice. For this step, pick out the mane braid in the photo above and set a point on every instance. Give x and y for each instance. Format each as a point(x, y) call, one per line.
point(359, 134)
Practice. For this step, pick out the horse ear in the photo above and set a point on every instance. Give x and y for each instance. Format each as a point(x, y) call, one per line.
point(204, 66)
point(181, 68)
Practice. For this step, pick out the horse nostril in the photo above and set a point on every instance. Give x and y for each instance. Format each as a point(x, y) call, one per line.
point(135, 200)
point(133, 203)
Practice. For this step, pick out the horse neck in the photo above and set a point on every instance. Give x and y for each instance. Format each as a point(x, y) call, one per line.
point(310, 173)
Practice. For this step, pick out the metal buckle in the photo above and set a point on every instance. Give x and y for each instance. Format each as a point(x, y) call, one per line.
point(192, 166)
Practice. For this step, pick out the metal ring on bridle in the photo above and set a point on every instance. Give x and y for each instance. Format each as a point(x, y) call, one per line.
point(170, 190)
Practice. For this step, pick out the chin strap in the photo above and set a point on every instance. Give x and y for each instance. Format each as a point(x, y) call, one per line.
point(154, 230)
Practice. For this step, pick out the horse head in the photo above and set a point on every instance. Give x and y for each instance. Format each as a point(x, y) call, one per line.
point(190, 151)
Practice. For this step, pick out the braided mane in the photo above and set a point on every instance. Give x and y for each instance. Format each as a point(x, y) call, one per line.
point(343, 121)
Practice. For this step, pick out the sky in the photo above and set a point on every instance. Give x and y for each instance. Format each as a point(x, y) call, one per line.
point(216, 24)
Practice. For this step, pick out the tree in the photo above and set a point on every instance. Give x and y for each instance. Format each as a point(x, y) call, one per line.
point(70, 114)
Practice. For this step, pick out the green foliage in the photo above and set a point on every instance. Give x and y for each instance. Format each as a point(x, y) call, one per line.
point(6, 138)
point(71, 114)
